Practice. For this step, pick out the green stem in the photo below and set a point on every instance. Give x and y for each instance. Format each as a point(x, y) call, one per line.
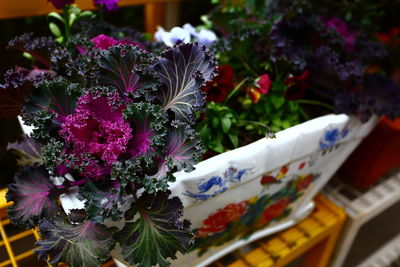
point(314, 102)
point(67, 27)
point(235, 90)
point(101, 15)
point(269, 132)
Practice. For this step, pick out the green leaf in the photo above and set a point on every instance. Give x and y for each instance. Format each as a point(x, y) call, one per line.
point(215, 122)
point(72, 18)
point(86, 13)
point(158, 234)
point(277, 101)
point(234, 139)
point(226, 124)
point(54, 29)
point(60, 39)
point(56, 16)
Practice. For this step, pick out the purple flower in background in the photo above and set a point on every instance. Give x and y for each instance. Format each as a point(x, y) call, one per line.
point(59, 4)
point(104, 42)
point(341, 28)
point(109, 5)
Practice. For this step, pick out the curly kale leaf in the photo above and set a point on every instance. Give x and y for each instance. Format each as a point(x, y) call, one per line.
point(39, 48)
point(149, 128)
point(182, 70)
point(34, 196)
point(103, 202)
point(13, 93)
point(83, 245)
point(158, 234)
point(183, 146)
point(126, 68)
point(28, 150)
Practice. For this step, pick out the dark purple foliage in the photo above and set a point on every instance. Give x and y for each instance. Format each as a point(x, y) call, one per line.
point(378, 95)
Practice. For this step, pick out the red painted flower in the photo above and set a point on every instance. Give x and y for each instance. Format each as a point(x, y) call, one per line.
point(217, 89)
point(275, 210)
point(305, 182)
point(219, 220)
point(296, 86)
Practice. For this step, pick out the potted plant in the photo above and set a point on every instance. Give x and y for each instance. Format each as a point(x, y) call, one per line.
point(118, 143)
point(280, 64)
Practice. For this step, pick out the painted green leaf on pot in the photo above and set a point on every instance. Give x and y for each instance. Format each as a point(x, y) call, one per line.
point(158, 234)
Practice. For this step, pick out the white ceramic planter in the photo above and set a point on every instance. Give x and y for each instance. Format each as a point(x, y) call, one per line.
point(256, 190)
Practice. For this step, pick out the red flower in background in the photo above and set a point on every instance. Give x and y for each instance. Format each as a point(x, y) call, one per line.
point(219, 220)
point(275, 210)
point(263, 84)
point(217, 89)
point(261, 87)
point(296, 86)
point(391, 38)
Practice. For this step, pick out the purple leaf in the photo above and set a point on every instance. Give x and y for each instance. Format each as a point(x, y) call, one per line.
point(85, 245)
point(182, 70)
point(57, 96)
point(28, 150)
point(123, 67)
point(39, 48)
point(13, 94)
point(34, 196)
point(159, 232)
point(183, 146)
point(148, 123)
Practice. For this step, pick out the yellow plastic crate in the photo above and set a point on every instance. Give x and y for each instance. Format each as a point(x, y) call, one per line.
point(313, 238)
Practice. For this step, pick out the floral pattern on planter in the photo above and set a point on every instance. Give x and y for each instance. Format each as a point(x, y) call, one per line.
point(216, 184)
point(332, 136)
point(240, 220)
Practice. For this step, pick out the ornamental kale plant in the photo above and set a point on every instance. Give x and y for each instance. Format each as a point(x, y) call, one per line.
point(112, 123)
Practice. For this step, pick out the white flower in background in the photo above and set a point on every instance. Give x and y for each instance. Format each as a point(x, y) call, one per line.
point(170, 38)
point(204, 37)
